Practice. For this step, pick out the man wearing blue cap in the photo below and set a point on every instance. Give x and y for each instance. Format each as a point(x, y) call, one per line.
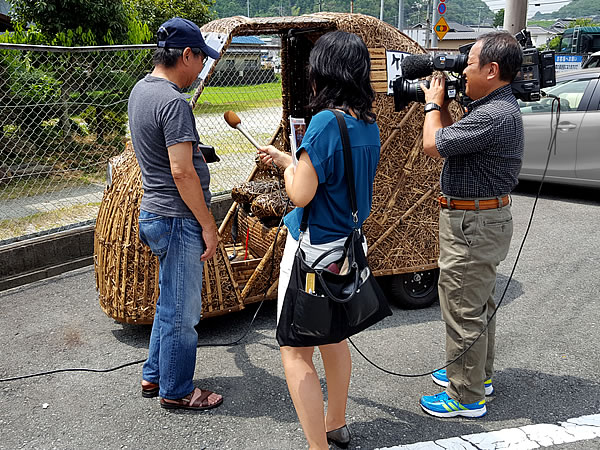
point(175, 221)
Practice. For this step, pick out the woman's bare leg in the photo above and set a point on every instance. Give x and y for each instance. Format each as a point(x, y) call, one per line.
point(338, 366)
point(305, 389)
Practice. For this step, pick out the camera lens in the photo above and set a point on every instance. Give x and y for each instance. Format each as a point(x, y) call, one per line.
point(408, 91)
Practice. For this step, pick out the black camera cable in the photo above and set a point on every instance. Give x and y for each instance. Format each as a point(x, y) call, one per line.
point(551, 145)
point(140, 361)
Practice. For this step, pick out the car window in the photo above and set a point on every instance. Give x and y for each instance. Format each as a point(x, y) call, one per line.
point(570, 93)
point(565, 43)
point(593, 61)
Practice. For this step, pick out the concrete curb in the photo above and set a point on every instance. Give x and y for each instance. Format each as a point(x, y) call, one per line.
point(42, 257)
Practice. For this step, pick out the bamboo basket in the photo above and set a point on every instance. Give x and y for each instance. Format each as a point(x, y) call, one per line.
point(259, 236)
point(402, 228)
point(401, 231)
point(125, 269)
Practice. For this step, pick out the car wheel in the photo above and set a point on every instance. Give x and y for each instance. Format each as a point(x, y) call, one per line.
point(411, 290)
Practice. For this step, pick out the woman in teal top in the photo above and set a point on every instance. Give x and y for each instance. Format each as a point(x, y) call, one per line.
point(339, 73)
point(331, 218)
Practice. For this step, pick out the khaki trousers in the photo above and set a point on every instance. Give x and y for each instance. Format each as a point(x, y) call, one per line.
point(472, 244)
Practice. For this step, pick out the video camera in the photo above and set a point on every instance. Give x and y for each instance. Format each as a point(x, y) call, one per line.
point(537, 71)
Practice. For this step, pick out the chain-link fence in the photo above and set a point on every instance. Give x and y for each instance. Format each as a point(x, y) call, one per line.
point(63, 114)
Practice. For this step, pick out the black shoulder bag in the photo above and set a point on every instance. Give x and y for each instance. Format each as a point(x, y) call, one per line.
point(340, 304)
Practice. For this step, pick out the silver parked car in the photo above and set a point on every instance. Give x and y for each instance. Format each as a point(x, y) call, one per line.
point(577, 157)
point(592, 61)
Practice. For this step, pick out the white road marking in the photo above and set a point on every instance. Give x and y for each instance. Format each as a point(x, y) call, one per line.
point(522, 438)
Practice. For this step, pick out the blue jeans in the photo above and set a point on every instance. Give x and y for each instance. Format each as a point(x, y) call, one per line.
point(178, 243)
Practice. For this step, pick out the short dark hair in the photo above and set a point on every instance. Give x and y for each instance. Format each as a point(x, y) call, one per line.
point(339, 71)
point(501, 47)
point(168, 57)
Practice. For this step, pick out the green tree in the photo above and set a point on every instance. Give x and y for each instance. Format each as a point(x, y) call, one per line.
point(227, 8)
point(414, 11)
point(499, 18)
point(576, 8)
point(155, 12)
point(554, 43)
point(582, 23)
point(106, 19)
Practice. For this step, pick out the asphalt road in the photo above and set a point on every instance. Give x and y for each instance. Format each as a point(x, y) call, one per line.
point(546, 371)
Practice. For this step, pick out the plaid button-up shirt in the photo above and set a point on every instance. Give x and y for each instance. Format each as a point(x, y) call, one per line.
point(483, 150)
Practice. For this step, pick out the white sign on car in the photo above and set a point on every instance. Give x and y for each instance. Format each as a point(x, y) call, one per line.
point(394, 67)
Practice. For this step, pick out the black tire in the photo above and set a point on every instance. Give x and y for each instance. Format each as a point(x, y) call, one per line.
point(411, 290)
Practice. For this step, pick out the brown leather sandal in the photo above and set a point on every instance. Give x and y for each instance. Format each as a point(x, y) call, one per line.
point(197, 400)
point(150, 390)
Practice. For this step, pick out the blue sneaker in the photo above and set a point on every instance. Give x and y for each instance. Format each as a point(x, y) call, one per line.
point(441, 405)
point(441, 379)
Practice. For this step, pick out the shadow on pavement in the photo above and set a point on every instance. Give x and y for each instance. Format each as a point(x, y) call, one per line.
point(514, 291)
point(229, 328)
point(571, 194)
point(524, 395)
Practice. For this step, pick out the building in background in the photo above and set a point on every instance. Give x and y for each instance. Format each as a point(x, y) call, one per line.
point(5, 24)
point(245, 62)
point(540, 35)
point(458, 35)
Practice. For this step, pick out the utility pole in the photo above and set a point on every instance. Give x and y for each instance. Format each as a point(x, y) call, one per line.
point(381, 10)
point(436, 17)
point(428, 26)
point(479, 18)
point(515, 16)
point(248, 8)
point(400, 14)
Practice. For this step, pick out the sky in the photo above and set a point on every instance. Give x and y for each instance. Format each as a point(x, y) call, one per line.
point(546, 6)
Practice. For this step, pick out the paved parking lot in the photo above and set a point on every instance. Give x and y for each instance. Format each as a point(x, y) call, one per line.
point(546, 373)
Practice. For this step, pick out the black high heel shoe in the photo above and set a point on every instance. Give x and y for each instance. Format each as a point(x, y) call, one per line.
point(339, 437)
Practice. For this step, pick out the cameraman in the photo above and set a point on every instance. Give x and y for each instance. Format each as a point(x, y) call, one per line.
point(482, 157)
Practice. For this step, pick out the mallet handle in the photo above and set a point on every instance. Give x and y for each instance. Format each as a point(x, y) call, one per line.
point(245, 133)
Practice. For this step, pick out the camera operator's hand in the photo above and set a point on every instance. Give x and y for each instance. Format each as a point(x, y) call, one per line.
point(436, 91)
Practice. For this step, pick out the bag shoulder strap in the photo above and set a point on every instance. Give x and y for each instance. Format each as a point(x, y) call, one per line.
point(348, 169)
point(348, 166)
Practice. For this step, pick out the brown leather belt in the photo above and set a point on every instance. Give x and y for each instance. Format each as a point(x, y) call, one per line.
point(474, 205)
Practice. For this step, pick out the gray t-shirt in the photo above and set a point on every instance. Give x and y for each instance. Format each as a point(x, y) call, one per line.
point(159, 117)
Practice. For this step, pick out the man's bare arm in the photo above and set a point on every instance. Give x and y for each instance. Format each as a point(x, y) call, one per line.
point(189, 187)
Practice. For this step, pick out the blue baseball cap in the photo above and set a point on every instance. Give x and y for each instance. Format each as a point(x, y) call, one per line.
point(182, 33)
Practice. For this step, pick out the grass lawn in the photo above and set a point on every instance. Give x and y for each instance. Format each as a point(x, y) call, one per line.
point(215, 99)
point(541, 23)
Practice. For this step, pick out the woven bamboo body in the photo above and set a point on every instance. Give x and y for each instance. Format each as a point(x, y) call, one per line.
point(126, 270)
point(402, 228)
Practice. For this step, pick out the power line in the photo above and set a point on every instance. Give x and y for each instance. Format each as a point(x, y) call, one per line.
point(550, 3)
point(499, 4)
point(538, 3)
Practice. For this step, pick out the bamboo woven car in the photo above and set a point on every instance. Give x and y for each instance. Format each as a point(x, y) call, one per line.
point(402, 228)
